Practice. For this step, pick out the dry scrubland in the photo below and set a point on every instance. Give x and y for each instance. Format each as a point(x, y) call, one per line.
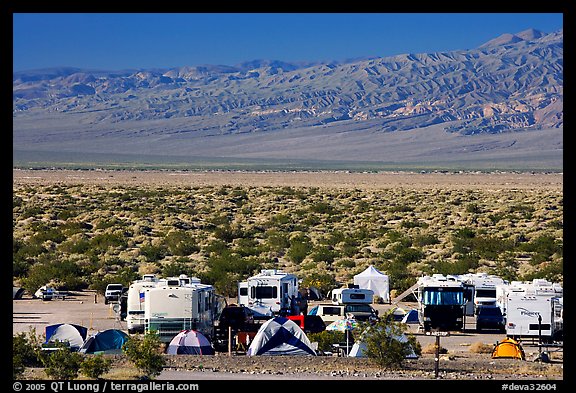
point(222, 226)
point(85, 228)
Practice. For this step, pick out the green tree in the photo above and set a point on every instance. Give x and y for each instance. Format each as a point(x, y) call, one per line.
point(382, 344)
point(144, 352)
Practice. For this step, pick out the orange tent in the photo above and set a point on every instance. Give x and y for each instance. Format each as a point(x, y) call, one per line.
point(508, 348)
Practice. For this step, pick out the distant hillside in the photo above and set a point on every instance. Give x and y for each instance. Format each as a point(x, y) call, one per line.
point(350, 111)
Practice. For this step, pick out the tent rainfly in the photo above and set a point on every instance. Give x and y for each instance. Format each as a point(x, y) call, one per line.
point(73, 335)
point(190, 342)
point(508, 349)
point(280, 336)
point(373, 279)
point(106, 341)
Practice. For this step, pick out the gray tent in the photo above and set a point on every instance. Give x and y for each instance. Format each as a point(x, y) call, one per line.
point(17, 293)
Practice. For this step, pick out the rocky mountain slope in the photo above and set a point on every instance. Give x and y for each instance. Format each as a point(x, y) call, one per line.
point(513, 82)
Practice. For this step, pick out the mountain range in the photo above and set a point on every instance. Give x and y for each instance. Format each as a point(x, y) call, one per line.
point(499, 105)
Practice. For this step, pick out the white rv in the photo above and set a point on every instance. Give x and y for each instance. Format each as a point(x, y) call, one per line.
point(170, 309)
point(352, 295)
point(532, 309)
point(136, 299)
point(135, 304)
point(441, 303)
point(480, 290)
point(243, 293)
point(272, 292)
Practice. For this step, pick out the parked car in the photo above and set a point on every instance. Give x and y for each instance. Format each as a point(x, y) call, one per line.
point(239, 318)
point(113, 293)
point(490, 318)
point(331, 312)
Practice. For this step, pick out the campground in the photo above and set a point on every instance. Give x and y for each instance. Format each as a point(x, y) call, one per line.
point(87, 309)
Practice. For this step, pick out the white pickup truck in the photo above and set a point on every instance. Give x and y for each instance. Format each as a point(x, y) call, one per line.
point(113, 293)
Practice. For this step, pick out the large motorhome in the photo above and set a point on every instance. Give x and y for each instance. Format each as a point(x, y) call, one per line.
point(441, 303)
point(272, 292)
point(136, 299)
point(135, 303)
point(169, 309)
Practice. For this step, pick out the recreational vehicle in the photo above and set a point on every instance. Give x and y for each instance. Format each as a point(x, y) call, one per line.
point(532, 309)
point(441, 303)
point(272, 292)
point(480, 290)
point(352, 295)
point(243, 293)
point(170, 309)
point(135, 303)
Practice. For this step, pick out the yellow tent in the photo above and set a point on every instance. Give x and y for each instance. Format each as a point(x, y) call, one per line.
point(508, 348)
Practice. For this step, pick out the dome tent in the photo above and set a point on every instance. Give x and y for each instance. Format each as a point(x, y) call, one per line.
point(106, 341)
point(70, 334)
point(280, 336)
point(190, 342)
point(373, 279)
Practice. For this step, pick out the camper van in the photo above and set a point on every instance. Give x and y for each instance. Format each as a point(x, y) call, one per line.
point(272, 292)
point(352, 295)
point(441, 303)
point(169, 309)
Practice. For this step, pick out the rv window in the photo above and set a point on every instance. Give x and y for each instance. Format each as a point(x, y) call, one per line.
point(264, 292)
point(534, 326)
point(442, 296)
point(243, 291)
point(332, 310)
point(357, 296)
point(486, 293)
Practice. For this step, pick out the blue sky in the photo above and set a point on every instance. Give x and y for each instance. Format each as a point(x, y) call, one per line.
point(109, 41)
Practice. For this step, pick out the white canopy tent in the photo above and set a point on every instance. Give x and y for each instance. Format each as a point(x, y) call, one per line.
point(373, 279)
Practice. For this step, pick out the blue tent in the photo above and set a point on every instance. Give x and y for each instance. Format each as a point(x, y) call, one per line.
point(67, 333)
point(280, 336)
point(106, 341)
point(411, 317)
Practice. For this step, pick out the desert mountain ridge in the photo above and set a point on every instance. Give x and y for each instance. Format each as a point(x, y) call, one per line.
point(512, 84)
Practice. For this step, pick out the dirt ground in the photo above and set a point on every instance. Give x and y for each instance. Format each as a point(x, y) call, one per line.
point(474, 180)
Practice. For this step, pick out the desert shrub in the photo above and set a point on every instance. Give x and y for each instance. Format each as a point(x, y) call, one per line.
point(153, 253)
point(276, 240)
point(180, 243)
point(382, 345)
point(67, 273)
point(62, 364)
point(326, 338)
point(425, 240)
point(145, 353)
point(94, 366)
point(324, 254)
point(124, 276)
point(25, 352)
point(431, 349)
point(300, 247)
point(479, 347)
point(323, 281)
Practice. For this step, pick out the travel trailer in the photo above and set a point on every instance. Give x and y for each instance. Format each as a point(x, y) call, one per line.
point(532, 309)
point(441, 303)
point(169, 309)
point(352, 295)
point(272, 292)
